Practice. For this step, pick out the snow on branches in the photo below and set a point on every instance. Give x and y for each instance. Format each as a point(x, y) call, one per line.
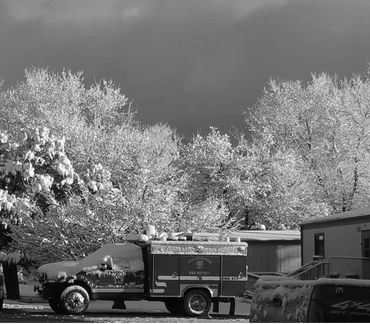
point(32, 167)
point(51, 211)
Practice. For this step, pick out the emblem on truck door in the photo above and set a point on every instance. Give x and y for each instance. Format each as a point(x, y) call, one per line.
point(199, 265)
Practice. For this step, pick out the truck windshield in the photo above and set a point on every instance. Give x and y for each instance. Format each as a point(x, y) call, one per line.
point(122, 255)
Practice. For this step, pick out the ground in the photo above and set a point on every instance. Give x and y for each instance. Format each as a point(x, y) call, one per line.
point(31, 309)
point(101, 312)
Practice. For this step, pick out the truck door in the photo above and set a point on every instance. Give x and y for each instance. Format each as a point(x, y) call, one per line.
point(234, 275)
point(119, 272)
point(165, 275)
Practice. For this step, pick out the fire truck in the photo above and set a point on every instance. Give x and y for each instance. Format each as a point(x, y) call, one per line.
point(187, 275)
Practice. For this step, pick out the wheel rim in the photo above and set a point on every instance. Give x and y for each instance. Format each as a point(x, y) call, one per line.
point(197, 304)
point(75, 301)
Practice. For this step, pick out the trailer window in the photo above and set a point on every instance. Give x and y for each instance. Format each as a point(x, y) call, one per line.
point(320, 244)
point(365, 235)
point(366, 247)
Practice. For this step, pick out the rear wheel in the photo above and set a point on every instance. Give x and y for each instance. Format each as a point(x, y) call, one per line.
point(1, 303)
point(197, 302)
point(175, 306)
point(56, 305)
point(74, 300)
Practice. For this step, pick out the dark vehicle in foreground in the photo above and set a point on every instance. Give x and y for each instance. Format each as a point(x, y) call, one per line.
point(188, 276)
point(279, 299)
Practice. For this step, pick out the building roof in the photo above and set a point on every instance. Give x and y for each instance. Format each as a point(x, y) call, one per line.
point(352, 214)
point(259, 235)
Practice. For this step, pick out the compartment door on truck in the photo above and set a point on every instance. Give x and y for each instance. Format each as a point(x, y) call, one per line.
point(200, 270)
point(165, 275)
point(234, 275)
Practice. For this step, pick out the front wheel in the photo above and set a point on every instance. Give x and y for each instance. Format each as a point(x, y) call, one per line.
point(74, 300)
point(56, 306)
point(197, 302)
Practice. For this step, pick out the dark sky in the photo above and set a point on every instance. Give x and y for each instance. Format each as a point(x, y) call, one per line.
point(190, 63)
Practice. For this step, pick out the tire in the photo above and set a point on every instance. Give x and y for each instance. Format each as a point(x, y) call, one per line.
point(175, 306)
point(74, 300)
point(1, 303)
point(197, 302)
point(315, 313)
point(56, 306)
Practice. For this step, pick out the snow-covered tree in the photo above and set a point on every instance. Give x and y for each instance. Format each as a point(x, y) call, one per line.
point(325, 124)
point(35, 176)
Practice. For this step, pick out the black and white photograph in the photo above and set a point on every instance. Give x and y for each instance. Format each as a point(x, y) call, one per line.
point(184, 161)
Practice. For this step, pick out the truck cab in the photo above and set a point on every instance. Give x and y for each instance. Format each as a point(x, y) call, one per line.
point(188, 276)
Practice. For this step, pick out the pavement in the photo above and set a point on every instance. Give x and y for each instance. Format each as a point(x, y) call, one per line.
point(28, 295)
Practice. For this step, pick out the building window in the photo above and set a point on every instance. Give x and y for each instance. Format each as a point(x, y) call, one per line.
point(320, 244)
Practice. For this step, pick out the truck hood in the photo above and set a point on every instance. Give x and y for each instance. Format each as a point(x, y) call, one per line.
point(56, 269)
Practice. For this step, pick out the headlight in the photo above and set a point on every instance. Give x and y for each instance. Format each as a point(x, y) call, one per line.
point(61, 275)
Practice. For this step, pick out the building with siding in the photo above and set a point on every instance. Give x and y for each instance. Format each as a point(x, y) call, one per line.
point(343, 240)
point(270, 251)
